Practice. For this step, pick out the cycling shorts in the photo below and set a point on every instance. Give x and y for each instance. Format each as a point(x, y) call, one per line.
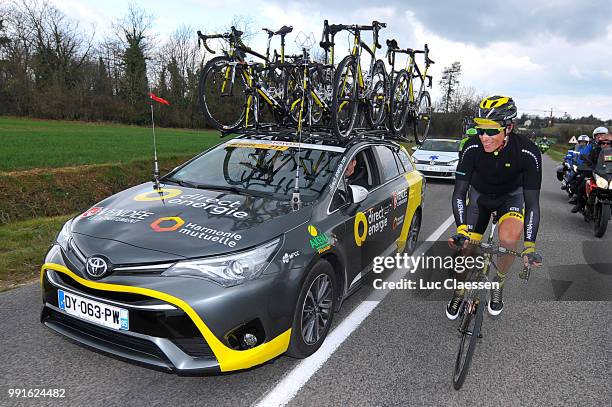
point(481, 206)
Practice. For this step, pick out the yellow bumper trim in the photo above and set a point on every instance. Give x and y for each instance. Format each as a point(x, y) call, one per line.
point(229, 359)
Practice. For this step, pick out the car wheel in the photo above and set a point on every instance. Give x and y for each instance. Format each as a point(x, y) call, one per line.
point(413, 233)
point(314, 311)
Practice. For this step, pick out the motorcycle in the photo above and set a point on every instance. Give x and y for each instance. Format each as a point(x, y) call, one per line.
point(599, 193)
point(566, 172)
point(543, 146)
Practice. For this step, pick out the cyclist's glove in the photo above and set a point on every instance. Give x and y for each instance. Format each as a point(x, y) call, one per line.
point(461, 236)
point(530, 252)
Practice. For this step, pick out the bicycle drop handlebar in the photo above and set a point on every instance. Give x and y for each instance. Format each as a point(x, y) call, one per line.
point(494, 248)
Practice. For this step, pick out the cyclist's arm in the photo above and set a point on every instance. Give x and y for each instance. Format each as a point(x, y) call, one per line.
point(532, 182)
point(463, 177)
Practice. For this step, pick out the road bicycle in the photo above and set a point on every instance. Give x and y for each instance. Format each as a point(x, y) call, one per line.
point(232, 90)
point(410, 112)
point(352, 89)
point(475, 301)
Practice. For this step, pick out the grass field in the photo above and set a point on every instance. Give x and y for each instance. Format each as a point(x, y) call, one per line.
point(32, 143)
point(24, 245)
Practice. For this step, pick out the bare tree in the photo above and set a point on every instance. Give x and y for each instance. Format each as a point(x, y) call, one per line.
point(449, 83)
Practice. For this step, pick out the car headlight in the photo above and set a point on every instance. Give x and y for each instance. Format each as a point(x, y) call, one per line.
point(229, 270)
point(601, 182)
point(63, 237)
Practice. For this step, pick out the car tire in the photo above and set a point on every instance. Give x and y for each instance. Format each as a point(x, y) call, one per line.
point(413, 233)
point(312, 323)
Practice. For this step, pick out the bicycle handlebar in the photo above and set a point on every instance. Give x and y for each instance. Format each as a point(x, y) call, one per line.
point(494, 248)
point(234, 35)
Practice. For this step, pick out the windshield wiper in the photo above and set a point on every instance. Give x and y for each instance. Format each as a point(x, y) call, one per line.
point(181, 182)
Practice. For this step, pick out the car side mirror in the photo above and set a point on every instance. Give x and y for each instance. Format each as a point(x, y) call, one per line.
point(414, 148)
point(358, 193)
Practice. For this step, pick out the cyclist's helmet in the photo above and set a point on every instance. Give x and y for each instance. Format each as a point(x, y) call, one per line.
point(583, 138)
point(600, 130)
point(500, 109)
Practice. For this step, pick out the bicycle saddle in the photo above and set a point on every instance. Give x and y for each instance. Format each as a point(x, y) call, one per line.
point(284, 30)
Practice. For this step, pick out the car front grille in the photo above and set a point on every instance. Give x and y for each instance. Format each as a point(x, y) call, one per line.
point(194, 347)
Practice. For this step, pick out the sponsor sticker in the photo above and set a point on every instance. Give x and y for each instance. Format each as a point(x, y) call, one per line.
point(99, 214)
point(319, 241)
point(158, 195)
point(400, 197)
point(287, 257)
point(369, 223)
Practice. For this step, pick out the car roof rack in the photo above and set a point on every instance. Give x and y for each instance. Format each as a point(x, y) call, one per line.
point(315, 135)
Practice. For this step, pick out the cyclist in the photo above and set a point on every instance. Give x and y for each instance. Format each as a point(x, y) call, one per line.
point(504, 170)
point(601, 136)
point(468, 134)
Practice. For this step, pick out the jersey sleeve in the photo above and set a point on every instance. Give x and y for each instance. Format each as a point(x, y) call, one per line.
point(467, 160)
point(532, 166)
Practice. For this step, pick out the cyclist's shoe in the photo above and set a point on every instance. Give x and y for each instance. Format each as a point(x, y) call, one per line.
point(495, 305)
point(577, 208)
point(573, 200)
point(453, 307)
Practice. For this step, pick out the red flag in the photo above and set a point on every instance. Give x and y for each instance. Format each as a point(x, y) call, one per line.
point(158, 99)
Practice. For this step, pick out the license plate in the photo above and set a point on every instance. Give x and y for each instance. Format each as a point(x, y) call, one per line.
point(433, 168)
point(93, 311)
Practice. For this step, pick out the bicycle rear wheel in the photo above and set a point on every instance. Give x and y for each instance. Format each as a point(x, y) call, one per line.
point(222, 94)
point(471, 324)
point(399, 101)
point(421, 121)
point(345, 100)
point(377, 100)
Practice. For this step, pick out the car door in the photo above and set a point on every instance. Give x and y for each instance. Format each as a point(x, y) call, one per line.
point(414, 183)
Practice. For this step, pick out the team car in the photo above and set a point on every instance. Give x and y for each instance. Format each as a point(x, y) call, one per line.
point(437, 158)
point(226, 263)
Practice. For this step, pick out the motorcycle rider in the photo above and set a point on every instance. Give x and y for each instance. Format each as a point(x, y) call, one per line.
point(602, 138)
point(583, 148)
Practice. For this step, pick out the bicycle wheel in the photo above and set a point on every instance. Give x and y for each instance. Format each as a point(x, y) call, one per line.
point(375, 111)
point(421, 121)
point(222, 94)
point(399, 101)
point(345, 102)
point(470, 327)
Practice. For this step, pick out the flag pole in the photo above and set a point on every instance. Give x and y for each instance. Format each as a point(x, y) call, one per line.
point(155, 163)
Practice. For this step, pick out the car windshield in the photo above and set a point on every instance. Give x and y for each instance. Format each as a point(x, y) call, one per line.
point(447, 146)
point(261, 169)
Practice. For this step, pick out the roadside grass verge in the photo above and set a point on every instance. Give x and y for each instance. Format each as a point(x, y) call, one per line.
point(557, 151)
point(23, 248)
point(32, 143)
point(38, 193)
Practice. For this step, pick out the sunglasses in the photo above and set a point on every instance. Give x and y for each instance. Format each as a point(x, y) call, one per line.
point(489, 132)
point(605, 143)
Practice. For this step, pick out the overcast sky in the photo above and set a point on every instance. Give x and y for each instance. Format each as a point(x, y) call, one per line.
point(545, 54)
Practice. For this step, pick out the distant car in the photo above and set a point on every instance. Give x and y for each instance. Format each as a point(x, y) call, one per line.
point(437, 158)
point(220, 269)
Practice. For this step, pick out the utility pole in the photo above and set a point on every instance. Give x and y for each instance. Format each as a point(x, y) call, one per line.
point(550, 123)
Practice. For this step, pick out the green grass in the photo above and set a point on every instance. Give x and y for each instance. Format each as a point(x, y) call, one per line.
point(32, 143)
point(23, 247)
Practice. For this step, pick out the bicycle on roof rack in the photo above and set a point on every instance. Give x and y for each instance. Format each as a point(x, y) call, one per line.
point(233, 90)
point(407, 111)
point(352, 90)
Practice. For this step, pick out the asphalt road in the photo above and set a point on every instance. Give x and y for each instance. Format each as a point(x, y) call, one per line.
point(551, 346)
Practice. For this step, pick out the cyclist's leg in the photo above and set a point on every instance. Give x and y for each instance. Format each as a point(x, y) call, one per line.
point(477, 219)
point(510, 228)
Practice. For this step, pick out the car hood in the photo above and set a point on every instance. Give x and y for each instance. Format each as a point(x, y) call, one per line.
point(186, 222)
point(442, 156)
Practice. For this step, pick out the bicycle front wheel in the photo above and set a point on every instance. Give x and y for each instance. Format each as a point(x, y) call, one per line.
point(345, 100)
point(421, 121)
point(377, 100)
point(222, 94)
point(470, 331)
point(399, 101)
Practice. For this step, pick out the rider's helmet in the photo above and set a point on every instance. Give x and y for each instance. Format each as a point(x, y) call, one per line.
point(599, 130)
point(583, 139)
point(498, 109)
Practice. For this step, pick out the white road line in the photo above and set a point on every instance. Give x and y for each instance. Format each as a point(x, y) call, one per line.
point(294, 380)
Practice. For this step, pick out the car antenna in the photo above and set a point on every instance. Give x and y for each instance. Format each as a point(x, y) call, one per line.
point(152, 98)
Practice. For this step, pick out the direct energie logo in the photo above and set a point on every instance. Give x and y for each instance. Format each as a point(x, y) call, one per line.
point(360, 219)
point(177, 223)
point(158, 195)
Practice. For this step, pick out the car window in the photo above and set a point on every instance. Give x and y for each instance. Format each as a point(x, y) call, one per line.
point(340, 198)
point(365, 172)
point(447, 146)
point(405, 159)
point(387, 164)
point(261, 169)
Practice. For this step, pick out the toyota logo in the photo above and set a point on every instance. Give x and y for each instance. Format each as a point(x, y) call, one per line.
point(96, 267)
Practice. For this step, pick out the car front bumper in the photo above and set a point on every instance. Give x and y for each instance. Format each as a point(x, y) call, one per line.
point(177, 324)
point(437, 171)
